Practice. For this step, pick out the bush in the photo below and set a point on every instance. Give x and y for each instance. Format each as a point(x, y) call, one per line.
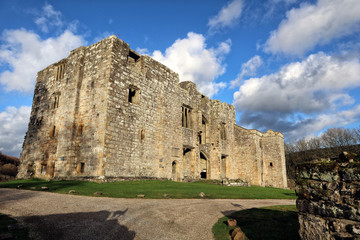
point(9, 169)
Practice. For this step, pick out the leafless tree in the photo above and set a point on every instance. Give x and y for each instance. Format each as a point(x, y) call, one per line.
point(338, 137)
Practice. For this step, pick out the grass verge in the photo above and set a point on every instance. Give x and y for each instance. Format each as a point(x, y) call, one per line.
point(276, 222)
point(153, 189)
point(15, 232)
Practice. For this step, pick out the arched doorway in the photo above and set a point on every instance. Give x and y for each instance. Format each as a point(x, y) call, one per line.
point(203, 166)
point(174, 171)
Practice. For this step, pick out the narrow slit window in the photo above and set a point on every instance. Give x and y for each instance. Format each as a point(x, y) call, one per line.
point(59, 73)
point(80, 129)
point(186, 117)
point(54, 101)
point(82, 167)
point(53, 131)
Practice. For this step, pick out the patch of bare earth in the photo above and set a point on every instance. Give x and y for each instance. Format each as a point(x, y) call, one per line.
point(61, 216)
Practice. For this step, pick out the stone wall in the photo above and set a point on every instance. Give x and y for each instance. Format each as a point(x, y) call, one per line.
point(106, 111)
point(258, 154)
point(329, 199)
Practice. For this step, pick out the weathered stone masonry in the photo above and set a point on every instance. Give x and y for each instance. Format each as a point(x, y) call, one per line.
point(107, 112)
point(329, 200)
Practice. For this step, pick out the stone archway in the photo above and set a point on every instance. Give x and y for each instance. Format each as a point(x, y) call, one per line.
point(203, 166)
point(174, 171)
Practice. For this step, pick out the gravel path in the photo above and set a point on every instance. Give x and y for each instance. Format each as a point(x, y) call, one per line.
point(60, 216)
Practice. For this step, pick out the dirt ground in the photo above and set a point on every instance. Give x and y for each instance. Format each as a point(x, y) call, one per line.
point(61, 216)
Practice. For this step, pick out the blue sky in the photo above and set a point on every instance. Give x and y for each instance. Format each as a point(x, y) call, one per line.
point(288, 65)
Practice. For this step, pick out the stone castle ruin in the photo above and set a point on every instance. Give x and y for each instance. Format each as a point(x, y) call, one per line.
point(106, 112)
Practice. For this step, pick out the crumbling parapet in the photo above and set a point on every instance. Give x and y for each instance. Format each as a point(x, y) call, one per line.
point(329, 198)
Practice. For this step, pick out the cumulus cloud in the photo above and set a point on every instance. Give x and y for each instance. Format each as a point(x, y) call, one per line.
point(25, 53)
point(311, 25)
point(302, 96)
point(13, 125)
point(194, 62)
point(48, 18)
point(247, 69)
point(227, 16)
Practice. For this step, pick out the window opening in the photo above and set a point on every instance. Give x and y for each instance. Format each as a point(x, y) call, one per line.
point(53, 131)
point(202, 137)
point(134, 95)
point(271, 164)
point(223, 166)
point(186, 117)
point(203, 164)
point(80, 129)
point(82, 167)
point(132, 57)
point(142, 135)
point(43, 169)
point(59, 73)
point(55, 99)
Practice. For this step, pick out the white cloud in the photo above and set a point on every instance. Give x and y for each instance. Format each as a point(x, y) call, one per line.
point(227, 16)
point(194, 62)
point(13, 125)
point(247, 69)
point(302, 97)
point(48, 18)
point(315, 84)
point(312, 25)
point(26, 54)
point(308, 126)
point(142, 51)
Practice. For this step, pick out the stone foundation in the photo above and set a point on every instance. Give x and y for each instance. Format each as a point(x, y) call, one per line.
point(329, 199)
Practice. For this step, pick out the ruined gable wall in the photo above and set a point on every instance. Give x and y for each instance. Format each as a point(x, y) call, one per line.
point(62, 150)
point(274, 165)
point(143, 137)
point(247, 154)
point(260, 157)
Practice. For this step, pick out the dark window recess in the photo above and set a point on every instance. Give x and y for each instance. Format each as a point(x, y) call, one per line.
point(82, 167)
point(53, 131)
point(271, 164)
point(186, 117)
point(54, 101)
point(142, 135)
point(134, 95)
point(59, 73)
point(80, 129)
point(132, 57)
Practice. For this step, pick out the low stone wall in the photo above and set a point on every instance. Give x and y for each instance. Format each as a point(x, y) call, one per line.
point(329, 198)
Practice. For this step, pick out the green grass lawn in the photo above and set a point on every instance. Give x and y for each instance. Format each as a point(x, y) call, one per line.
point(153, 189)
point(276, 222)
point(16, 233)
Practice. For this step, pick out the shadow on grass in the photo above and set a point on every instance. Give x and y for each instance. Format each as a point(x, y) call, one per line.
point(268, 224)
point(36, 184)
point(290, 194)
point(83, 225)
point(279, 223)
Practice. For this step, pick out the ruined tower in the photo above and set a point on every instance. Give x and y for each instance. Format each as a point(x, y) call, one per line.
point(107, 112)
